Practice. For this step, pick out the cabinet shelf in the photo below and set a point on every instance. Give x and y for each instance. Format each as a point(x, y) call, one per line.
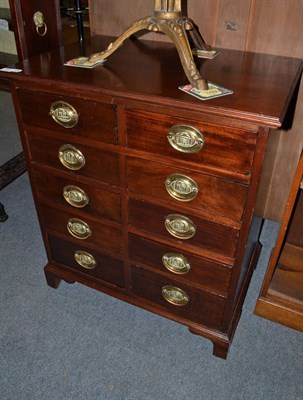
point(281, 297)
point(287, 280)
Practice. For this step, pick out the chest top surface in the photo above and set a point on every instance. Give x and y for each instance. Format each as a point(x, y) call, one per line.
point(262, 84)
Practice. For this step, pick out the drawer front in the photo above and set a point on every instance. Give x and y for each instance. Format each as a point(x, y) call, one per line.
point(95, 164)
point(201, 307)
point(200, 192)
point(84, 230)
point(75, 195)
point(92, 120)
point(225, 148)
point(179, 264)
point(87, 260)
point(208, 235)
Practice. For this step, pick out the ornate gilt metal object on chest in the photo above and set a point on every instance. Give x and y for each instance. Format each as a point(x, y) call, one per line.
point(168, 19)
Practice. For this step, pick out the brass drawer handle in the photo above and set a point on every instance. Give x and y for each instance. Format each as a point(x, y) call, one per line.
point(75, 196)
point(64, 114)
point(176, 263)
point(85, 260)
point(38, 19)
point(71, 157)
point(185, 138)
point(180, 226)
point(78, 228)
point(175, 295)
point(181, 187)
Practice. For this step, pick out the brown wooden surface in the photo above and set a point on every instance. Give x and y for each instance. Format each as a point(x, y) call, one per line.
point(204, 272)
point(28, 41)
point(107, 268)
point(103, 236)
point(281, 295)
point(146, 102)
point(263, 26)
point(215, 196)
point(203, 307)
point(261, 83)
point(287, 280)
point(36, 109)
point(295, 233)
point(234, 154)
point(209, 236)
point(44, 150)
point(102, 204)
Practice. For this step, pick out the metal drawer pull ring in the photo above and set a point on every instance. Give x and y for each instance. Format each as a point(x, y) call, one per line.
point(71, 157)
point(181, 187)
point(75, 196)
point(179, 226)
point(176, 263)
point(175, 296)
point(38, 19)
point(78, 228)
point(185, 138)
point(85, 260)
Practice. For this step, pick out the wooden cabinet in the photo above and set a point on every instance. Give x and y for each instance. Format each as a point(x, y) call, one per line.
point(144, 192)
point(281, 297)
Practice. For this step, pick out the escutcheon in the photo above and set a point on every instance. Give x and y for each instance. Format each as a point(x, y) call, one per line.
point(181, 187)
point(75, 196)
point(185, 138)
point(85, 259)
point(180, 226)
point(176, 263)
point(71, 157)
point(175, 295)
point(64, 114)
point(78, 228)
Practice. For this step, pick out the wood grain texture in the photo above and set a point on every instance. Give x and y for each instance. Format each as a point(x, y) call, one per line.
point(275, 27)
point(232, 24)
point(263, 26)
point(286, 21)
point(113, 17)
point(139, 84)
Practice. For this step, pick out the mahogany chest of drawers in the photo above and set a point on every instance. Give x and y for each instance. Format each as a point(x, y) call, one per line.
point(144, 192)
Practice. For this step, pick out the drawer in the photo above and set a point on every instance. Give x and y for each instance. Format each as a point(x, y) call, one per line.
point(201, 307)
point(83, 230)
point(227, 148)
point(208, 235)
point(175, 185)
point(86, 260)
point(179, 265)
point(95, 163)
point(68, 192)
point(95, 120)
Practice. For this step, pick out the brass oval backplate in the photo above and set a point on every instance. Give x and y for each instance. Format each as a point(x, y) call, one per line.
point(180, 226)
point(181, 187)
point(78, 228)
point(176, 263)
point(75, 196)
point(185, 138)
point(85, 259)
point(175, 295)
point(71, 157)
point(64, 114)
